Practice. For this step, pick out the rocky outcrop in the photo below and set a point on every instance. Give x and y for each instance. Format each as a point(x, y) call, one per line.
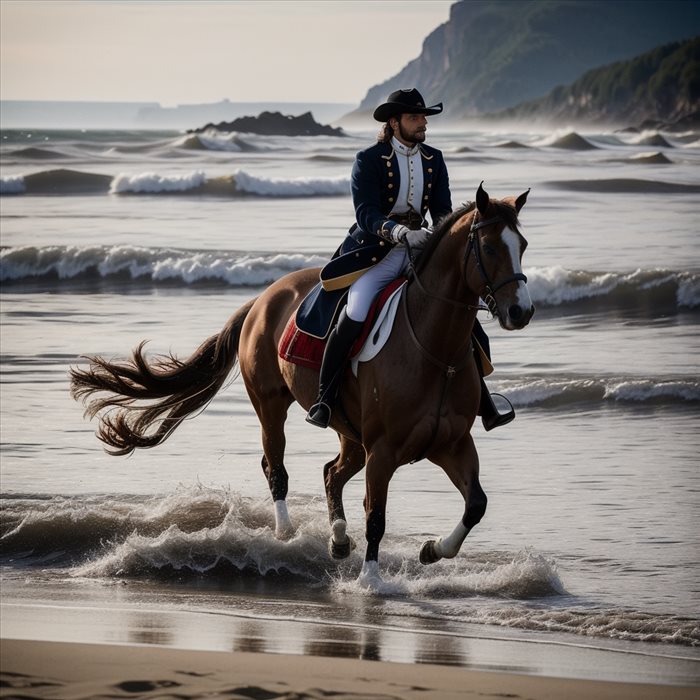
point(274, 124)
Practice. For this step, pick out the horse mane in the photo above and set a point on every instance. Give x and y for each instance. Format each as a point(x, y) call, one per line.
point(506, 212)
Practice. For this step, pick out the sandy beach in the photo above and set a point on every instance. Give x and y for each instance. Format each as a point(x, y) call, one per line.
point(61, 670)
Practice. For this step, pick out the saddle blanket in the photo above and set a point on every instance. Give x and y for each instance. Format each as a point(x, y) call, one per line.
point(306, 350)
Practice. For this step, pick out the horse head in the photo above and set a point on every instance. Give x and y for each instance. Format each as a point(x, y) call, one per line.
point(493, 257)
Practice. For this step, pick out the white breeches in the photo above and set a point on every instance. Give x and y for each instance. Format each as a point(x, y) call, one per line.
point(363, 291)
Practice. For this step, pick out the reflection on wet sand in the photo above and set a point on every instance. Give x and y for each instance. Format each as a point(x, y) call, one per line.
point(343, 642)
point(249, 636)
point(149, 629)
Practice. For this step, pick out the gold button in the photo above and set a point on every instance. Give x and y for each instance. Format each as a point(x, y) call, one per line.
point(391, 199)
point(374, 259)
point(430, 170)
point(381, 242)
point(388, 164)
point(426, 197)
point(390, 174)
point(357, 255)
point(430, 184)
point(391, 185)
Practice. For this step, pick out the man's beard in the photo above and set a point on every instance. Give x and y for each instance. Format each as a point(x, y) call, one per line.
point(414, 138)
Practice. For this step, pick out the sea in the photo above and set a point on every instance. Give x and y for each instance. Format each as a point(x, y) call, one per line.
point(587, 560)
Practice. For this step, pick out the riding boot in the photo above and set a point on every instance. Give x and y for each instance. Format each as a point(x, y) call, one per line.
point(490, 416)
point(335, 356)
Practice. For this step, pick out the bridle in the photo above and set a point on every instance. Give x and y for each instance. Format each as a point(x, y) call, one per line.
point(450, 370)
point(474, 245)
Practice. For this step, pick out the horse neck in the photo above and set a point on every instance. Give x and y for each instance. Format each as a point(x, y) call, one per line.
point(440, 324)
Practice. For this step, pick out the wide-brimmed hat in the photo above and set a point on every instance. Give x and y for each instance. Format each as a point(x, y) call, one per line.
point(404, 102)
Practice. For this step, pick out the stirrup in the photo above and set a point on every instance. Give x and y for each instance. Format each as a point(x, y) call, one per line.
point(496, 419)
point(319, 415)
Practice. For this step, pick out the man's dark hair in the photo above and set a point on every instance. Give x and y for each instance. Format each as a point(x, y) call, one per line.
point(385, 133)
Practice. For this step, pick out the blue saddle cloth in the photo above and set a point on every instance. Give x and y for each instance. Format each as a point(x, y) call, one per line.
point(318, 311)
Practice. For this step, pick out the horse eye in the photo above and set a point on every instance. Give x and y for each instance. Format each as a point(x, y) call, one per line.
point(489, 249)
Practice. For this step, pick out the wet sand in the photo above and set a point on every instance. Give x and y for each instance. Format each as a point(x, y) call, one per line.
point(33, 669)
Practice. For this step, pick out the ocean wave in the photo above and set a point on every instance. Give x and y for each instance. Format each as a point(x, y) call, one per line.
point(204, 530)
point(33, 153)
point(12, 184)
point(555, 391)
point(655, 289)
point(198, 531)
point(568, 140)
point(658, 287)
point(61, 264)
point(154, 183)
point(240, 183)
point(624, 186)
point(210, 141)
point(615, 623)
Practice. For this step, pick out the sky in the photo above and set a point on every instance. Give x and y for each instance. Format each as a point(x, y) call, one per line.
point(177, 52)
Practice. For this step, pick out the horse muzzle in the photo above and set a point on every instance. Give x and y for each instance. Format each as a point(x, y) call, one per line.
point(517, 316)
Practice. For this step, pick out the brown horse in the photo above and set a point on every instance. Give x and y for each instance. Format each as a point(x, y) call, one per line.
point(417, 398)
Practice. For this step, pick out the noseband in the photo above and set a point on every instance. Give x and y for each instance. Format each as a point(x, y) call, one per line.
point(474, 245)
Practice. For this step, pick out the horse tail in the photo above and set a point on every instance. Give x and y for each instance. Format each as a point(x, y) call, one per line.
point(162, 390)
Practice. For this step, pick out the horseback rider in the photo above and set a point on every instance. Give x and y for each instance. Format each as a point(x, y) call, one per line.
point(395, 183)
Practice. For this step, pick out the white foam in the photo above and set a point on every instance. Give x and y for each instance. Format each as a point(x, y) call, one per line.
point(71, 262)
point(294, 187)
point(153, 182)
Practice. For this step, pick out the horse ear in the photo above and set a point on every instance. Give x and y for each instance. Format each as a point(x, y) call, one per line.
point(520, 201)
point(482, 199)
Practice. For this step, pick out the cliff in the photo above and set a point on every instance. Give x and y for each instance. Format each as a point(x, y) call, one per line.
point(660, 86)
point(494, 54)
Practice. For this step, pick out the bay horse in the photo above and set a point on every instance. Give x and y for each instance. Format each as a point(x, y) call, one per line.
point(417, 398)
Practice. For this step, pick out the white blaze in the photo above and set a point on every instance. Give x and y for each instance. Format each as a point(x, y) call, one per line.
point(512, 241)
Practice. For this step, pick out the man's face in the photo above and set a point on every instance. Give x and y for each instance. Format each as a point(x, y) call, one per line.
point(410, 128)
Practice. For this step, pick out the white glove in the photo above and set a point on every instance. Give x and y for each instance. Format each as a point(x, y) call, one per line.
point(416, 240)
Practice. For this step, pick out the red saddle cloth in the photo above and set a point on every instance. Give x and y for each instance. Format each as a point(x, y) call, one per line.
point(299, 348)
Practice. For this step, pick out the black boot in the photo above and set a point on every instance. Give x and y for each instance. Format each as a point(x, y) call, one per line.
point(490, 416)
point(335, 356)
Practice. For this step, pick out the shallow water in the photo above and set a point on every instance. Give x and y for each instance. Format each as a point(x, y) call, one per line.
point(592, 527)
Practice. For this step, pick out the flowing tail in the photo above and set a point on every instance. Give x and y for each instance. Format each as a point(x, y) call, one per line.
point(164, 390)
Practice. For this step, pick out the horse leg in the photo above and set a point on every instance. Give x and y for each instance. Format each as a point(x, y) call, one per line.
point(336, 474)
point(462, 467)
point(379, 471)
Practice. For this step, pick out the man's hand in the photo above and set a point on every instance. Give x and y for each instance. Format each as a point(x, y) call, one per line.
point(415, 240)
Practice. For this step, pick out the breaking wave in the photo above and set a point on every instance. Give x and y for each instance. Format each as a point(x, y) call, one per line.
point(555, 391)
point(240, 183)
point(197, 532)
point(549, 286)
point(124, 264)
point(556, 286)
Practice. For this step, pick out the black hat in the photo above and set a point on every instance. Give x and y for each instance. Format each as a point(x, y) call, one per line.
point(404, 102)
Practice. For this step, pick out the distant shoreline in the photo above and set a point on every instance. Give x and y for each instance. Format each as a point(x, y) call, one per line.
point(73, 114)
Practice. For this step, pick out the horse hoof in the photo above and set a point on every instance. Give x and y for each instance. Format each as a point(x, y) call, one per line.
point(341, 550)
point(428, 555)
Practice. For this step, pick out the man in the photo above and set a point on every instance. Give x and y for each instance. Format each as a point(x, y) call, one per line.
point(395, 183)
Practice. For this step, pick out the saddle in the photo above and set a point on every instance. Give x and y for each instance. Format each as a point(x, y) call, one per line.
point(304, 339)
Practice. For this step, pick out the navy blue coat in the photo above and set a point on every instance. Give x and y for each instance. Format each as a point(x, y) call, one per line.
point(375, 183)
